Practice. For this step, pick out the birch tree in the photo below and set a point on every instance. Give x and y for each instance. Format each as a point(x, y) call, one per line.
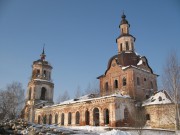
point(11, 101)
point(171, 82)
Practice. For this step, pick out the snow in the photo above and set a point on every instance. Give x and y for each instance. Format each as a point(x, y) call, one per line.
point(42, 80)
point(140, 62)
point(158, 98)
point(115, 132)
point(128, 52)
point(123, 68)
point(89, 97)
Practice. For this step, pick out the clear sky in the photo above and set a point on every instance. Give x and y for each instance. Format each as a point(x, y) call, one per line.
point(80, 37)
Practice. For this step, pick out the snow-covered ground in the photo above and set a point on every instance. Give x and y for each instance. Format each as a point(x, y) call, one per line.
point(92, 130)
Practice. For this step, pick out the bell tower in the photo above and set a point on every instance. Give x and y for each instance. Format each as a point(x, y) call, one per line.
point(125, 41)
point(40, 87)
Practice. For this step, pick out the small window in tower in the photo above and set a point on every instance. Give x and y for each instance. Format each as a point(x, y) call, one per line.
point(43, 93)
point(30, 94)
point(121, 47)
point(106, 86)
point(116, 84)
point(44, 73)
point(144, 79)
point(124, 81)
point(127, 45)
point(38, 73)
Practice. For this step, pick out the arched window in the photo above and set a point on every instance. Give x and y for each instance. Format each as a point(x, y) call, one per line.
point(87, 117)
point(56, 118)
point(124, 81)
point(50, 119)
point(96, 116)
point(116, 84)
point(37, 73)
point(39, 119)
point(127, 45)
point(77, 117)
point(44, 74)
point(62, 119)
point(126, 114)
point(106, 116)
point(44, 119)
point(138, 81)
point(43, 93)
point(69, 118)
point(106, 86)
point(30, 94)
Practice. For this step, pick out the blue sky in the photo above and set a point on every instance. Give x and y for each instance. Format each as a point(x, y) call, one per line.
point(80, 37)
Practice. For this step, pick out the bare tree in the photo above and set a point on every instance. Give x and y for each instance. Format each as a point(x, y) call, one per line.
point(92, 88)
point(171, 82)
point(63, 97)
point(78, 92)
point(11, 101)
point(139, 118)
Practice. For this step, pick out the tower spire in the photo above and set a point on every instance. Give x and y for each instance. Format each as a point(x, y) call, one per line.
point(43, 56)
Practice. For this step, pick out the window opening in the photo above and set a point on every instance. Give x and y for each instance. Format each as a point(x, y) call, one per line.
point(96, 117)
point(50, 119)
point(56, 119)
point(69, 118)
point(124, 81)
point(43, 93)
point(77, 117)
point(44, 119)
point(62, 119)
point(38, 73)
point(106, 116)
point(44, 73)
point(127, 45)
point(87, 117)
point(39, 119)
point(30, 94)
point(147, 117)
point(116, 84)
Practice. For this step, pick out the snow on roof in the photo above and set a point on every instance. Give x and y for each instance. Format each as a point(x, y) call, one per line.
point(42, 80)
point(140, 62)
point(123, 68)
point(159, 98)
point(89, 97)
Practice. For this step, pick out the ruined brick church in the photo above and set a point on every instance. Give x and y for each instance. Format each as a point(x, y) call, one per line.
point(127, 82)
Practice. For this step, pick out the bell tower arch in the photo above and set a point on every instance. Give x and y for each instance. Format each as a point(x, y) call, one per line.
point(40, 87)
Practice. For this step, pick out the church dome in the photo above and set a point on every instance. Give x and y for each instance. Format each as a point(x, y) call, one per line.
point(123, 21)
